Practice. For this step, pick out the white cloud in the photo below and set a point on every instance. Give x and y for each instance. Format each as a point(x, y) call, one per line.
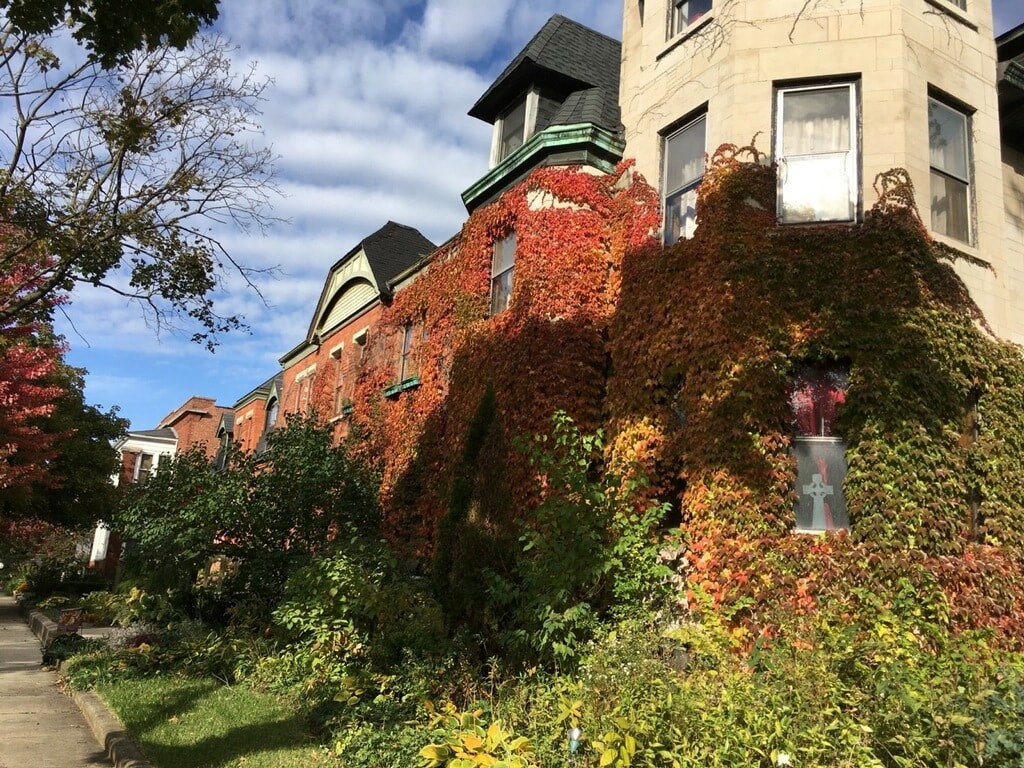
point(457, 30)
point(368, 114)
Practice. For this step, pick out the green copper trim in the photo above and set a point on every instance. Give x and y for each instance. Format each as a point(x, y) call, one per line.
point(394, 389)
point(1014, 74)
point(580, 135)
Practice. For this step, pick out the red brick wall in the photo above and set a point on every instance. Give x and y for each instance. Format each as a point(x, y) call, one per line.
point(321, 385)
point(195, 422)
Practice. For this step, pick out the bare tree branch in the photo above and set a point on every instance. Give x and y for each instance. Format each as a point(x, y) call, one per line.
point(124, 173)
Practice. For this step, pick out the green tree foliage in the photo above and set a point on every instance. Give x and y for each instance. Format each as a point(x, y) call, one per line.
point(590, 550)
point(122, 175)
point(269, 513)
point(112, 29)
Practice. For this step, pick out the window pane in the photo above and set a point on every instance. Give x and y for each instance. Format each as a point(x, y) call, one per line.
point(513, 127)
point(685, 12)
point(817, 188)
point(815, 399)
point(950, 209)
point(501, 290)
point(947, 139)
point(680, 215)
point(504, 254)
point(816, 121)
point(821, 470)
point(684, 156)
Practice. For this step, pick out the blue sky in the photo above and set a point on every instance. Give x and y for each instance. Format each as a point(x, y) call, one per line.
point(368, 115)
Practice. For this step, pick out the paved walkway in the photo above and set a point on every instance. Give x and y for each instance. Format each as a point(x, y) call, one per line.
point(39, 726)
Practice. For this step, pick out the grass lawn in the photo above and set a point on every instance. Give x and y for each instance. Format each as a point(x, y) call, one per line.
point(203, 724)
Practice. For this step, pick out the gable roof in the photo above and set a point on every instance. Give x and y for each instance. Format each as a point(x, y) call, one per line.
point(261, 392)
point(389, 251)
point(392, 249)
point(567, 56)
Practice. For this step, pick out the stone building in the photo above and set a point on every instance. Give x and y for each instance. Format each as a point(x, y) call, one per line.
point(834, 94)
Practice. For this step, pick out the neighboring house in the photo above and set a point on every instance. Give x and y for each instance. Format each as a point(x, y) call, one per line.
point(254, 416)
point(142, 451)
point(193, 424)
point(321, 371)
point(836, 93)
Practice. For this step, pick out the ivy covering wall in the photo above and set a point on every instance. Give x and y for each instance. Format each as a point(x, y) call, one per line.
point(687, 356)
point(705, 345)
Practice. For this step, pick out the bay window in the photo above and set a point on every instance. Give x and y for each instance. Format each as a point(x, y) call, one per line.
point(816, 151)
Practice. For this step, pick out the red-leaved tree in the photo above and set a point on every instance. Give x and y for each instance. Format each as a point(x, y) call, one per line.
point(29, 356)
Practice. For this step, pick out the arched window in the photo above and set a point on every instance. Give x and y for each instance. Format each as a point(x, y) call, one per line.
point(814, 401)
point(272, 411)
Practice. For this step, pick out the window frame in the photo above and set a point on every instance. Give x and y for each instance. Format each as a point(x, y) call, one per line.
point(855, 153)
point(405, 353)
point(677, 23)
point(966, 115)
point(689, 185)
point(272, 413)
point(338, 356)
point(142, 475)
point(530, 101)
point(510, 271)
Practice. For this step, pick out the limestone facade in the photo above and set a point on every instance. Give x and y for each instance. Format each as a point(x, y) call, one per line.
point(733, 61)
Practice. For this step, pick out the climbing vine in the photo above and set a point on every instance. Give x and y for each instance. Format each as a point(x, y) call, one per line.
point(705, 346)
point(445, 447)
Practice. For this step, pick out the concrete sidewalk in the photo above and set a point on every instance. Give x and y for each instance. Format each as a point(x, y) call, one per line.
point(39, 726)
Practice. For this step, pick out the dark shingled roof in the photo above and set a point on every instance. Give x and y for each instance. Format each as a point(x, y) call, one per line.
point(392, 249)
point(262, 391)
point(227, 423)
point(566, 57)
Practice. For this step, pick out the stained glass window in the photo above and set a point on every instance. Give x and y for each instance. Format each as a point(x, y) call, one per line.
point(815, 399)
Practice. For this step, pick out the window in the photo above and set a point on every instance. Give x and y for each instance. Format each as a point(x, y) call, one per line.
point(272, 411)
point(503, 263)
point(360, 340)
point(304, 387)
point(816, 150)
point(407, 368)
point(513, 130)
point(339, 400)
point(682, 13)
point(820, 454)
point(683, 170)
point(949, 150)
point(144, 467)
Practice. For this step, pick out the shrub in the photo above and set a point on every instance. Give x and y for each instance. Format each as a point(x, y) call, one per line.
point(590, 551)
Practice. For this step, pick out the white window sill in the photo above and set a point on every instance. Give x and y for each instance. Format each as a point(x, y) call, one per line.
point(681, 37)
point(971, 252)
point(955, 12)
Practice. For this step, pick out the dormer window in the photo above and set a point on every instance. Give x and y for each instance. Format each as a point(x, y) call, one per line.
point(514, 127)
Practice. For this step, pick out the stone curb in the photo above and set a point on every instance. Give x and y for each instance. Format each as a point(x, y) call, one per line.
point(105, 726)
point(109, 732)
